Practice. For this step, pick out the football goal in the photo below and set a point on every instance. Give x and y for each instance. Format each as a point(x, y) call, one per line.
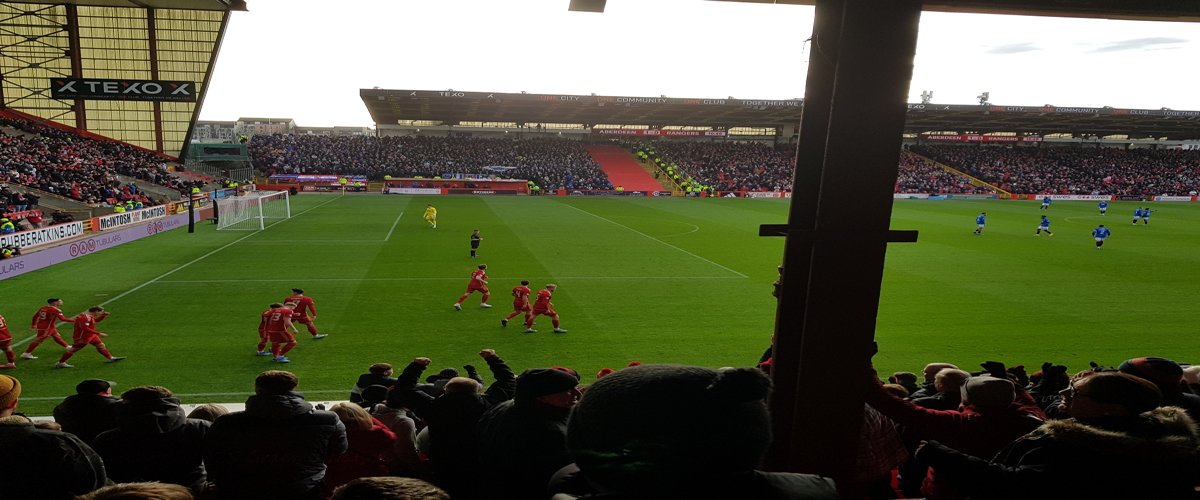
point(251, 210)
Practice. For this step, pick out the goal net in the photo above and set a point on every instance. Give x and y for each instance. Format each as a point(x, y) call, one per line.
point(251, 210)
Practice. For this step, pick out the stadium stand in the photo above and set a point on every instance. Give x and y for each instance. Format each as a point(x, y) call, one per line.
point(1073, 170)
point(77, 167)
point(918, 174)
point(550, 163)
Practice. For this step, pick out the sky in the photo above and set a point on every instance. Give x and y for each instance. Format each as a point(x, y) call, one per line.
point(307, 59)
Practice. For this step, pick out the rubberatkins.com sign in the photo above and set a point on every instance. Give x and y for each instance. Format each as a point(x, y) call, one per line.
point(130, 90)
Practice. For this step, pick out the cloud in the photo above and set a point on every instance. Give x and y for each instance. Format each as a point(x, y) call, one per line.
point(1141, 44)
point(1013, 48)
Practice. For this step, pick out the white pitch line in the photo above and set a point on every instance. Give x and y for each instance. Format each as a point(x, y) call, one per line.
point(694, 229)
point(177, 269)
point(581, 278)
point(658, 240)
point(389, 235)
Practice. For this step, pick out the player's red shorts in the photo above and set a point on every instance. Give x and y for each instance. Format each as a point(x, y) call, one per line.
point(280, 337)
point(473, 288)
point(5, 339)
point(547, 312)
point(303, 320)
point(80, 343)
point(519, 307)
point(46, 333)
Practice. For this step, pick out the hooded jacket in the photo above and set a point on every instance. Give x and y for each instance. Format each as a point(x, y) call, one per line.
point(154, 441)
point(40, 464)
point(275, 449)
point(87, 415)
point(1152, 455)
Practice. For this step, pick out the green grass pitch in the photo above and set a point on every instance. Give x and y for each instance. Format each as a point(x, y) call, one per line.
point(646, 279)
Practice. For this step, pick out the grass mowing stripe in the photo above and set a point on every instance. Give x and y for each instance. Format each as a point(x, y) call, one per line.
point(658, 240)
point(179, 268)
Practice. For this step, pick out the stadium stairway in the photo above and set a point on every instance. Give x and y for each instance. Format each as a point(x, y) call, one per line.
point(622, 169)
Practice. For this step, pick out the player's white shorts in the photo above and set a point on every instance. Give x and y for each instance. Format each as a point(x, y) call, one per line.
point(1099, 240)
point(1044, 228)
point(980, 226)
point(1102, 210)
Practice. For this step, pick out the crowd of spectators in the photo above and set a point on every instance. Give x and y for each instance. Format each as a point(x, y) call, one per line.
point(918, 174)
point(644, 431)
point(1075, 170)
point(732, 166)
point(550, 163)
point(77, 167)
point(752, 166)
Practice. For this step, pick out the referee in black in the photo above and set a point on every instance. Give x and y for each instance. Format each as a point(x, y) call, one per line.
point(475, 239)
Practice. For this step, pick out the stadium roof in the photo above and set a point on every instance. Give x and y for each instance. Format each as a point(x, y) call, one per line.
point(172, 43)
point(221, 5)
point(453, 107)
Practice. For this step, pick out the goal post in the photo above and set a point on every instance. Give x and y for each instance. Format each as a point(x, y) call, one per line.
point(252, 210)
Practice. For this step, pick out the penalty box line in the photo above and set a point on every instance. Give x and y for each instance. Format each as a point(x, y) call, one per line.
point(181, 267)
point(658, 240)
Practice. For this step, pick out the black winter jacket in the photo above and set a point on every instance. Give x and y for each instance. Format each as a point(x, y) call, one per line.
point(46, 465)
point(276, 449)
point(87, 415)
point(154, 441)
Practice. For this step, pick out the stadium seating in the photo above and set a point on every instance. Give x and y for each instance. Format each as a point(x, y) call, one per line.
point(81, 168)
point(550, 163)
point(1074, 170)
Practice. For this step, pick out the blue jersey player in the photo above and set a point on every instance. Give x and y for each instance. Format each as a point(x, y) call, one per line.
point(1045, 203)
point(980, 220)
point(1044, 225)
point(1103, 207)
point(1137, 215)
point(1101, 233)
point(1146, 215)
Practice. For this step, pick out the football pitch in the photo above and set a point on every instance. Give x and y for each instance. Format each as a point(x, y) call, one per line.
point(646, 279)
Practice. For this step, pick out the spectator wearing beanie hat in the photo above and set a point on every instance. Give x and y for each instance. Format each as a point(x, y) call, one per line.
point(154, 441)
point(49, 464)
point(667, 431)
point(90, 411)
point(522, 442)
point(1168, 376)
point(1118, 444)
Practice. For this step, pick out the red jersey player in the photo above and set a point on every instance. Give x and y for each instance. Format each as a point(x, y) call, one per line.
point(278, 324)
point(262, 330)
point(6, 345)
point(302, 305)
point(543, 306)
point(478, 283)
point(45, 323)
point(520, 302)
point(86, 333)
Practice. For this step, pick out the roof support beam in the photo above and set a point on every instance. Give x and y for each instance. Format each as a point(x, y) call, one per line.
point(837, 231)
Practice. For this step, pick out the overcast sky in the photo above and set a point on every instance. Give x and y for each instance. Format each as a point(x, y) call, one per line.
point(307, 59)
